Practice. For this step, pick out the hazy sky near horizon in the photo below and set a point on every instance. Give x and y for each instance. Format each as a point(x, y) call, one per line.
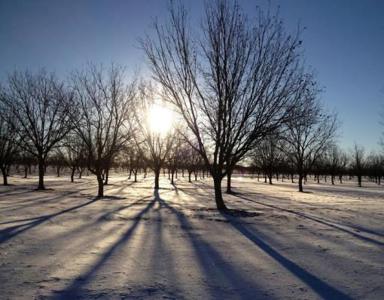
point(343, 42)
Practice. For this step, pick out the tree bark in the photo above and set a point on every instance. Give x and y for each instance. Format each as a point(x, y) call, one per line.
point(100, 183)
point(229, 183)
point(5, 176)
point(218, 194)
point(157, 175)
point(301, 182)
point(73, 174)
point(106, 176)
point(41, 174)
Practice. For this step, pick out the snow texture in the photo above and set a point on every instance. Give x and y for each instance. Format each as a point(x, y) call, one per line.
point(274, 243)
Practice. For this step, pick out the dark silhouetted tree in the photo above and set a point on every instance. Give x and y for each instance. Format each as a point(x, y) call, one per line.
point(8, 141)
point(233, 82)
point(41, 105)
point(309, 132)
point(104, 102)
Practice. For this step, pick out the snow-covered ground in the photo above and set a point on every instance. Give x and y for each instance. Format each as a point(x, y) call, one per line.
point(63, 243)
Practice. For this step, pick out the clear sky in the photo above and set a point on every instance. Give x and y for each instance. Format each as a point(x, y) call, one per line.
point(343, 42)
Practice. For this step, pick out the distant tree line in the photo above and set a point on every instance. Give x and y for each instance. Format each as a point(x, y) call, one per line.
point(239, 87)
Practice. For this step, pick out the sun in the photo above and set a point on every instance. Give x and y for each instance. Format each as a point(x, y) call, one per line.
point(160, 119)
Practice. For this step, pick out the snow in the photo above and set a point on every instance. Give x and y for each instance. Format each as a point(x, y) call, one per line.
point(277, 243)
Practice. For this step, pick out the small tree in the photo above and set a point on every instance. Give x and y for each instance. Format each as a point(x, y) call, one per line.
point(8, 142)
point(104, 104)
point(358, 163)
point(267, 155)
point(41, 106)
point(74, 154)
point(309, 131)
point(154, 145)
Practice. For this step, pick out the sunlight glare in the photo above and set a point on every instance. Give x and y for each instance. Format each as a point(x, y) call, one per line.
point(160, 119)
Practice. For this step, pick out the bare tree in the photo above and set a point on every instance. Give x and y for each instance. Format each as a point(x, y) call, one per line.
point(175, 156)
point(104, 103)
point(133, 159)
point(358, 163)
point(336, 161)
point(192, 160)
point(8, 142)
point(375, 167)
point(233, 83)
point(155, 146)
point(309, 132)
point(267, 155)
point(74, 154)
point(41, 105)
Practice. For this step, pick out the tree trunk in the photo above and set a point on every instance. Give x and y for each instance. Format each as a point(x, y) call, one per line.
point(270, 177)
point(41, 174)
point(229, 184)
point(359, 180)
point(73, 174)
point(106, 176)
point(100, 183)
point(189, 176)
point(25, 172)
point(5, 176)
point(172, 176)
point(58, 171)
point(135, 175)
point(301, 182)
point(157, 175)
point(218, 194)
point(333, 180)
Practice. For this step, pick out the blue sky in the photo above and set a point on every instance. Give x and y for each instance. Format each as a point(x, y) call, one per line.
point(343, 41)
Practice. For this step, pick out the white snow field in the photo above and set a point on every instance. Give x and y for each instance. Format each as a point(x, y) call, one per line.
point(277, 243)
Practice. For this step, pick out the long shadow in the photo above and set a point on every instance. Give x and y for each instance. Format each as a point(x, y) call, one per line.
point(75, 289)
point(345, 190)
point(36, 201)
point(319, 220)
point(208, 256)
point(319, 286)
point(10, 232)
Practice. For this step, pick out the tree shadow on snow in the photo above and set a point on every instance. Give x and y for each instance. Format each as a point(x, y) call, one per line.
point(218, 272)
point(76, 289)
point(322, 221)
point(319, 286)
point(10, 232)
